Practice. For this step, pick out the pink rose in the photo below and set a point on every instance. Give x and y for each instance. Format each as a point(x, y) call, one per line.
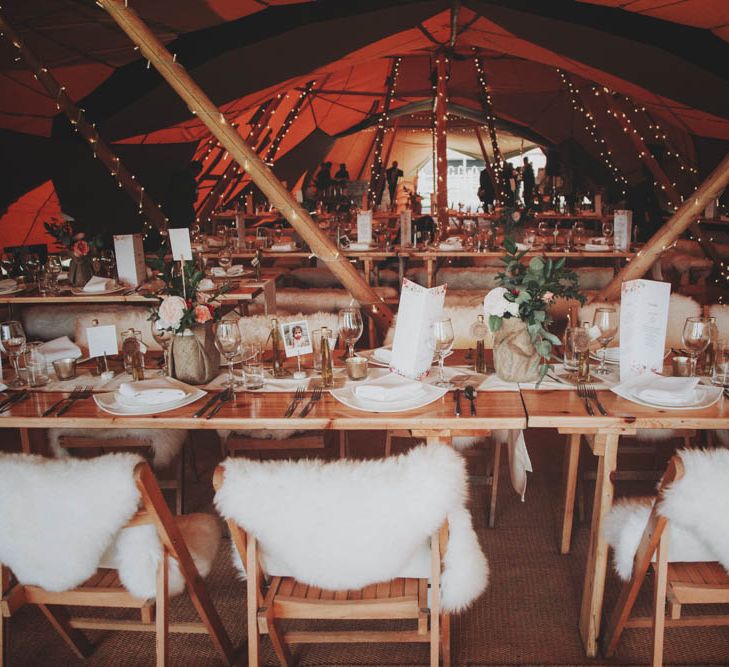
point(80, 248)
point(202, 314)
point(547, 297)
point(171, 311)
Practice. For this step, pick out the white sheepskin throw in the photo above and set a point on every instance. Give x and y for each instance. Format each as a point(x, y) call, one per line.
point(721, 313)
point(166, 444)
point(593, 277)
point(679, 308)
point(463, 298)
point(262, 434)
point(347, 524)
point(137, 553)
point(256, 328)
point(699, 501)
point(313, 300)
point(314, 277)
point(58, 516)
point(624, 528)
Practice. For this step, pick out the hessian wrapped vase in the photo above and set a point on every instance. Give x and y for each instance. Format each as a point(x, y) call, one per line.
point(193, 356)
point(515, 359)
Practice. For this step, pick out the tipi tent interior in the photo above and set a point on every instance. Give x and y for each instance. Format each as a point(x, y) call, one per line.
point(129, 118)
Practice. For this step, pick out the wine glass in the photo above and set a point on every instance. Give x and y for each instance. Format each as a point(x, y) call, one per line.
point(164, 337)
point(607, 229)
point(7, 262)
point(227, 340)
point(696, 335)
point(32, 266)
point(442, 341)
point(350, 327)
point(108, 263)
point(12, 337)
point(606, 321)
point(53, 268)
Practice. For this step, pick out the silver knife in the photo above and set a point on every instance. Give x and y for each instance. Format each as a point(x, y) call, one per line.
point(208, 403)
point(457, 397)
point(226, 397)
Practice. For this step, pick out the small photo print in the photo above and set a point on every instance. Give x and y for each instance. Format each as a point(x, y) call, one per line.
point(296, 337)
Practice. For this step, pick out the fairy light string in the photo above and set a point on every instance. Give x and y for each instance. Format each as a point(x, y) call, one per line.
point(149, 211)
point(487, 106)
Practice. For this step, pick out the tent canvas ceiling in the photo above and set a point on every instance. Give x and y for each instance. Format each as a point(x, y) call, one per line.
point(669, 58)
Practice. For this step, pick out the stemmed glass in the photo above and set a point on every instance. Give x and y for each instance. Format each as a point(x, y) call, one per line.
point(12, 337)
point(164, 337)
point(442, 341)
point(53, 269)
point(696, 336)
point(7, 262)
point(227, 340)
point(108, 263)
point(606, 321)
point(225, 259)
point(607, 230)
point(350, 327)
point(32, 267)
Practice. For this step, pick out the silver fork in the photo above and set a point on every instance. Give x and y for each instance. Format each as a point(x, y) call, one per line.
point(84, 393)
point(592, 393)
point(316, 396)
point(582, 393)
point(298, 397)
point(76, 390)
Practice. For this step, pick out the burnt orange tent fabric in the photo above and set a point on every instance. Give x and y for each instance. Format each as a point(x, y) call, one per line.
point(663, 65)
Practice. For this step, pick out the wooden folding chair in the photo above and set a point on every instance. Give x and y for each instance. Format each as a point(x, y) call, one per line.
point(312, 443)
point(270, 601)
point(677, 583)
point(103, 589)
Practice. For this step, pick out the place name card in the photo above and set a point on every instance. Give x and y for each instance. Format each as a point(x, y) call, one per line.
point(102, 340)
point(412, 346)
point(180, 243)
point(129, 253)
point(364, 227)
point(643, 323)
point(622, 229)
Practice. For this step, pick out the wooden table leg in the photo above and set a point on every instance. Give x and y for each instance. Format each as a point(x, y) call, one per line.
point(571, 461)
point(430, 268)
point(605, 447)
point(25, 441)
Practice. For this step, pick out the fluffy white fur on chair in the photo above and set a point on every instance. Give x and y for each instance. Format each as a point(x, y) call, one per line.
point(256, 328)
point(697, 506)
point(462, 317)
point(473, 278)
point(593, 277)
point(721, 313)
point(165, 443)
point(63, 518)
point(312, 300)
point(348, 524)
point(679, 308)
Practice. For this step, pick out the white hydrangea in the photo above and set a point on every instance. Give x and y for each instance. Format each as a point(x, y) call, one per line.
point(494, 303)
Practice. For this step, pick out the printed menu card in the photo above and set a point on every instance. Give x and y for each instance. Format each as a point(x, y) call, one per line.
point(412, 347)
point(364, 227)
point(643, 323)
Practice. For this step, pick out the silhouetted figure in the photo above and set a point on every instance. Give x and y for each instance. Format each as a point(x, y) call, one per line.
point(179, 205)
point(643, 201)
point(324, 178)
point(528, 180)
point(393, 175)
point(342, 173)
point(486, 192)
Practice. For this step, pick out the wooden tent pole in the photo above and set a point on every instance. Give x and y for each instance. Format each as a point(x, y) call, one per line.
point(486, 160)
point(263, 177)
point(687, 213)
point(440, 117)
point(673, 195)
point(215, 195)
point(377, 171)
point(126, 180)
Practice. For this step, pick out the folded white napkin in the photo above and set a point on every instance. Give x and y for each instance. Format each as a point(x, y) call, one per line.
point(8, 285)
point(150, 396)
point(611, 354)
point(597, 244)
point(60, 348)
point(450, 245)
point(359, 246)
point(391, 387)
point(218, 271)
point(236, 270)
point(522, 246)
point(653, 388)
point(206, 285)
point(283, 247)
point(97, 284)
point(382, 354)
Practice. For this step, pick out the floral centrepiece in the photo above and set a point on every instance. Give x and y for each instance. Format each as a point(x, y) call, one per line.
point(519, 309)
point(77, 246)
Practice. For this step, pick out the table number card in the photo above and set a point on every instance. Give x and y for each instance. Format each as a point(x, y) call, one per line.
point(622, 230)
point(130, 265)
point(412, 347)
point(102, 340)
point(406, 228)
point(643, 323)
point(364, 227)
point(180, 243)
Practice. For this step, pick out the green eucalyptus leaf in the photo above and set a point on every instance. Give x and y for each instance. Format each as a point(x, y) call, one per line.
point(494, 323)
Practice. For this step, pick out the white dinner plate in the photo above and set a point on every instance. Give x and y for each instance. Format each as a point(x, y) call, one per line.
point(347, 396)
point(705, 396)
point(613, 358)
point(15, 290)
point(109, 401)
point(283, 249)
point(79, 291)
